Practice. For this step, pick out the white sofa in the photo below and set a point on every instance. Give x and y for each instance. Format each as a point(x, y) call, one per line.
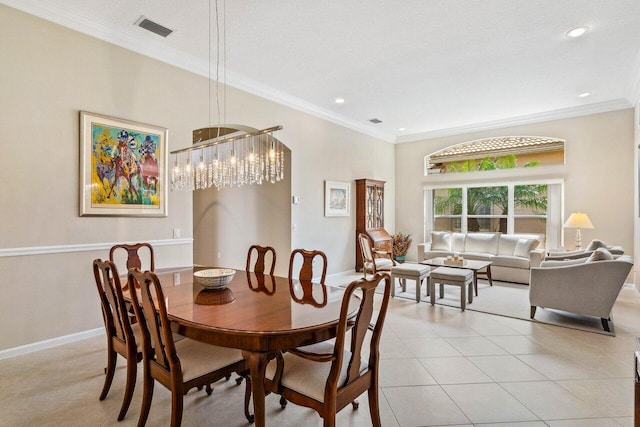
point(512, 255)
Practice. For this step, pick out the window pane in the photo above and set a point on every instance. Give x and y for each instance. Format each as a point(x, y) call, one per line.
point(530, 199)
point(488, 201)
point(486, 225)
point(447, 224)
point(531, 225)
point(447, 201)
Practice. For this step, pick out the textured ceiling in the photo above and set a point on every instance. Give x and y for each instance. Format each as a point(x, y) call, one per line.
point(430, 67)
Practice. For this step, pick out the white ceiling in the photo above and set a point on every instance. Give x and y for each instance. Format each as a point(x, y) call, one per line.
point(433, 67)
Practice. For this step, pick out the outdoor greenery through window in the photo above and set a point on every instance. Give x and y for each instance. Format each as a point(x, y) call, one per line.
point(506, 208)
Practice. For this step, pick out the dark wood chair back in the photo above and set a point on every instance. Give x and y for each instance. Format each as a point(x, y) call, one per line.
point(306, 270)
point(261, 259)
point(339, 393)
point(118, 326)
point(161, 361)
point(158, 344)
point(133, 256)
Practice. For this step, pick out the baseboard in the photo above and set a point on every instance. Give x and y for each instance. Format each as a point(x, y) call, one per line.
point(53, 342)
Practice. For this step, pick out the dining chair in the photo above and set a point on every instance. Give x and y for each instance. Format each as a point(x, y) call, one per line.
point(328, 376)
point(261, 259)
point(123, 337)
point(179, 366)
point(306, 270)
point(372, 260)
point(133, 255)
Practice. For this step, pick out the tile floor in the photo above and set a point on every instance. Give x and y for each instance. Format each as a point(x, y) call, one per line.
point(440, 367)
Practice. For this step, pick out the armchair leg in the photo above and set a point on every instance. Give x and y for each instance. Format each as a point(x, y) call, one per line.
point(533, 311)
point(605, 324)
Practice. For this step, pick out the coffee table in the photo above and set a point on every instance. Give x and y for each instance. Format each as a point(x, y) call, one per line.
point(470, 264)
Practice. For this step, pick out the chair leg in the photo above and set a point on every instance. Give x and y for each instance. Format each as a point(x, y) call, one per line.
point(283, 402)
point(110, 370)
point(374, 406)
point(330, 420)
point(605, 324)
point(147, 396)
point(247, 400)
point(355, 405)
point(132, 369)
point(208, 389)
point(176, 408)
point(533, 311)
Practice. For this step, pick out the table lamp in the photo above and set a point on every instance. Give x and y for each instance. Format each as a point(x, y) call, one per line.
point(578, 220)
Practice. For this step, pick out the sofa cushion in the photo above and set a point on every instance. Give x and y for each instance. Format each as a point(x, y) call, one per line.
point(457, 241)
point(486, 243)
point(595, 244)
point(440, 241)
point(507, 244)
point(477, 256)
point(562, 262)
point(510, 261)
point(524, 246)
point(600, 254)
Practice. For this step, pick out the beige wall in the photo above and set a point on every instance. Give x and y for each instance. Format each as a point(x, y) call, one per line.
point(599, 174)
point(50, 73)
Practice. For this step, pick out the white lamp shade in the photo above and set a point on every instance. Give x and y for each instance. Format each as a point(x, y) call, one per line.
point(578, 220)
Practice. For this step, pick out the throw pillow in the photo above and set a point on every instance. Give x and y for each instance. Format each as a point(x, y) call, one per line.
point(595, 244)
point(524, 246)
point(600, 254)
point(440, 241)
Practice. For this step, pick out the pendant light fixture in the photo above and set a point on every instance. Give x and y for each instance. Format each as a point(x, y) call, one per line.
point(227, 155)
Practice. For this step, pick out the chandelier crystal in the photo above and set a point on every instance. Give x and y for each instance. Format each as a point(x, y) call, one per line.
point(235, 156)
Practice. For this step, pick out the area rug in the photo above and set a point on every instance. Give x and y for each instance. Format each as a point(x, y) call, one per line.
point(509, 300)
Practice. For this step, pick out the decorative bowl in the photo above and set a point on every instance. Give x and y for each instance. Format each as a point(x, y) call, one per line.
point(214, 278)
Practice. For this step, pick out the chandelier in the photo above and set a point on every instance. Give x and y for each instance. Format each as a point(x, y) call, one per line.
point(227, 155)
point(236, 155)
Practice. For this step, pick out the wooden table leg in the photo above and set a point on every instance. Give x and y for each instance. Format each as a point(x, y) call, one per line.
point(475, 281)
point(257, 362)
point(489, 275)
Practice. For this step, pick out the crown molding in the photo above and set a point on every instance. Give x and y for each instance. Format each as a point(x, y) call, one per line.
point(194, 65)
point(184, 61)
point(564, 113)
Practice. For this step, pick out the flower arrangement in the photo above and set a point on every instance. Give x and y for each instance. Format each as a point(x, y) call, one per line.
point(401, 244)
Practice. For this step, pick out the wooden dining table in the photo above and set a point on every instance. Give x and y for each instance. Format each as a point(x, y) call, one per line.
point(256, 313)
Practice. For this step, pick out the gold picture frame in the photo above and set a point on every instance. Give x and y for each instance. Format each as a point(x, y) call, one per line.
point(123, 167)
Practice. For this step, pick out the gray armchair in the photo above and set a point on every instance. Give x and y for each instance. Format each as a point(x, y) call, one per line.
point(579, 286)
point(584, 253)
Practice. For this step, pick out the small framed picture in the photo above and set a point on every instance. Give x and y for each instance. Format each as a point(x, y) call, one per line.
point(336, 198)
point(122, 167)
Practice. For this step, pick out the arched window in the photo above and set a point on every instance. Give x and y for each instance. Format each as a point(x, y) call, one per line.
point(496, 193)
point(506, 152)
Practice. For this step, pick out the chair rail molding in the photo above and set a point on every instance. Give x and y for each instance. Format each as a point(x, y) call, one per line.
point(83, 247)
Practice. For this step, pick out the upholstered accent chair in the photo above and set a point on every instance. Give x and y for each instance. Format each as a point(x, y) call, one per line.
point(587, 286)
point(583, 253)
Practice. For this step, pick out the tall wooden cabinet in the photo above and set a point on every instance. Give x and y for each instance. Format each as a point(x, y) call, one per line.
point(370, 216)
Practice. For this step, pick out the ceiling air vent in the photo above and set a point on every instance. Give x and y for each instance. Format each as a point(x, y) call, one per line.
point(154, 27)
point(375, 121)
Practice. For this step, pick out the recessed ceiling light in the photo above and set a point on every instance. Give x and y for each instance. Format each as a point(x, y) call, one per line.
point(577, 32)
point(400, 129)
point(339, 100)
point(584, 94)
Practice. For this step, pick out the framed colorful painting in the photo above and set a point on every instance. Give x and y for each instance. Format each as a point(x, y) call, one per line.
point(336, 198)
point(122, 167)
